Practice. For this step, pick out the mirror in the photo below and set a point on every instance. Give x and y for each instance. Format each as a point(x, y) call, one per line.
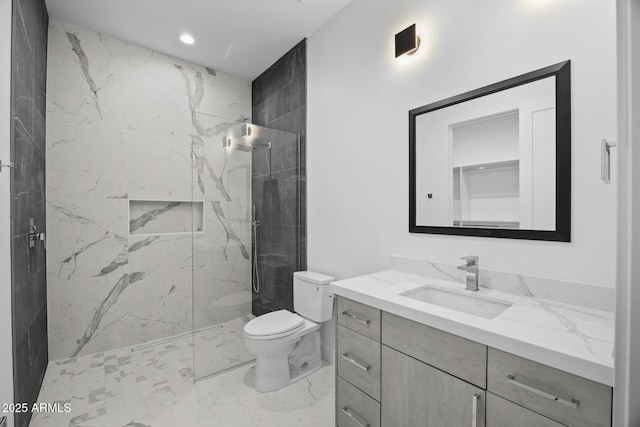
point(496, 161)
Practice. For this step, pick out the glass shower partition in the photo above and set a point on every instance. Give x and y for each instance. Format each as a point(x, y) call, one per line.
point(223, 238)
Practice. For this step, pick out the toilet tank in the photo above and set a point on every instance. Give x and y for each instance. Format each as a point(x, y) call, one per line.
point(311, 296)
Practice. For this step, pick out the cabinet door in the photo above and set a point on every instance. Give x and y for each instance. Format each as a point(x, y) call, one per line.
point(415, 394)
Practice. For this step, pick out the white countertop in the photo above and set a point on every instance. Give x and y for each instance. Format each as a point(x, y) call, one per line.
point(575, 339)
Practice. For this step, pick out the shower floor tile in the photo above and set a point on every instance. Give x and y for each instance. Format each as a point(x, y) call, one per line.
point(153, 387)
point(220, 348)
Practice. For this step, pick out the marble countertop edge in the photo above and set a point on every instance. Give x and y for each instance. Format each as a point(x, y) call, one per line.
point(533, 339)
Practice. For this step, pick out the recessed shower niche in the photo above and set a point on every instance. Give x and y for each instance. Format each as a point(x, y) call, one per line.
point(165, 217)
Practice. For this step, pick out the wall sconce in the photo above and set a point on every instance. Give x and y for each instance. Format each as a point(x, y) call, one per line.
point(407, 41)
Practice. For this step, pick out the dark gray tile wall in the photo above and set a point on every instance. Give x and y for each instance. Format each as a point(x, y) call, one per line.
point(280, 102)
point(28, 265)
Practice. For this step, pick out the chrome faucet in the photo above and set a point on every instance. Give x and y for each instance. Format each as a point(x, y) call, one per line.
point(472, 270)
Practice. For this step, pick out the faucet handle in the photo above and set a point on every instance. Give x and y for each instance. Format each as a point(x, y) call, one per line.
point(470, 259)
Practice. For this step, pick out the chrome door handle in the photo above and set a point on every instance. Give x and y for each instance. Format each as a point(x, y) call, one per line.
point(573, 403)
point(474, 410)
point(356, 318)
point(356, 362)
point(6, 165)
point(354, 416)
point(605, 159)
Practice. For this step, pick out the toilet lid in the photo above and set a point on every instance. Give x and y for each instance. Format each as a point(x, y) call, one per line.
point(279, 322)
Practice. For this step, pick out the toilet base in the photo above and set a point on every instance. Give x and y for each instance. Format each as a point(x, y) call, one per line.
point(307, 371)
point(271, 374)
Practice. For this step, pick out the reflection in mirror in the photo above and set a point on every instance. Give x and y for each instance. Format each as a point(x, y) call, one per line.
point(488, 160)
point(486, 172)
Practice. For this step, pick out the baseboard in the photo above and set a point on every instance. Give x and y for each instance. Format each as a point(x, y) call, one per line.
point(328, 354)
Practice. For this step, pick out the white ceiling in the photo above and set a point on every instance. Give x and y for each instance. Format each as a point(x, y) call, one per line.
point(240, 37)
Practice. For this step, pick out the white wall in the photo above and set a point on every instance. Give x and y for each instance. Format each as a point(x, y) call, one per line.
point(6, 343)
point(359, 96)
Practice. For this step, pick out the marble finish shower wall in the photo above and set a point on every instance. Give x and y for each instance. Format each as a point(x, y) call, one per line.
point(280, 102)
point(28, 265)
point(124, 124)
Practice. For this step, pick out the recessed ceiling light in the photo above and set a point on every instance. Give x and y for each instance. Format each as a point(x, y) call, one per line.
point(187, 39)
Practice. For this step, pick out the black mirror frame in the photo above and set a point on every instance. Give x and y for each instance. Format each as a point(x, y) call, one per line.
point(562, 233)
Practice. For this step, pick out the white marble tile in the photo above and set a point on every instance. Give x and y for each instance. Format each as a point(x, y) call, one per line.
point(158, 303)
point(85, 247)
point(121, 125)
point(84, 161)
point(220, 347)
point(158, 164)
point(153, 387)
point(165, 217)
point(222, 291)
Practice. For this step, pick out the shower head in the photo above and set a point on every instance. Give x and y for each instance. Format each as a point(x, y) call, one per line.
point(245, 138)
point(230, 144)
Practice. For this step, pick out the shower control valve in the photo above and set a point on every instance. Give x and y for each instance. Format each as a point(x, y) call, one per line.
point(33, 235)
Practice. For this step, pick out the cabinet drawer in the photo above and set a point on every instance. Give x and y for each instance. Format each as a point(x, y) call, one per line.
point(460, 357)
point(354, 408)
point(359, 317)
point(359, 361)
point(559, 395)
point(502, 413)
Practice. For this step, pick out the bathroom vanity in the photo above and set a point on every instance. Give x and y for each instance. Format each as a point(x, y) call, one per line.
point(404, 362)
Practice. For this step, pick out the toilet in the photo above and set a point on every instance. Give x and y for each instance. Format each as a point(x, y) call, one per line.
point(286, 344)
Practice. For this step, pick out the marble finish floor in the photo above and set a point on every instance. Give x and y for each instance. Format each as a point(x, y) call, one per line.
point(220, 348)
point(153, 387)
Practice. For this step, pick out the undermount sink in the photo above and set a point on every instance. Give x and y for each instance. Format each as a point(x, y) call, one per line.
point(463, 301)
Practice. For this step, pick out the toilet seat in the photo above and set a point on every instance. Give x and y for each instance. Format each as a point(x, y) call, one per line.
point(276, 324)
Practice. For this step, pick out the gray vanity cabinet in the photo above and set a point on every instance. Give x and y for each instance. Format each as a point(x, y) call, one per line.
point(359, 317)
point(358, 365)
point(502, 413)
point(359, 361)
point(394, 372)
point(569, 399)
point(355, 408)
point(455, 355)
point(416, 394)
point(430, 377)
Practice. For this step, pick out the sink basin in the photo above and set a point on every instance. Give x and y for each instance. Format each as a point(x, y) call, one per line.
point(464, 301)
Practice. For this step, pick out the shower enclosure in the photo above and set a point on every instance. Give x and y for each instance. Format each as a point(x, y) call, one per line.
point(238, 242)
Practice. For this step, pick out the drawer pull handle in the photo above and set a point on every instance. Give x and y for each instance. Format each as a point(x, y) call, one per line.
point(573, 403)
point(354, 416)
point(356, 318)
point(356, 362)
point(474, 410)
